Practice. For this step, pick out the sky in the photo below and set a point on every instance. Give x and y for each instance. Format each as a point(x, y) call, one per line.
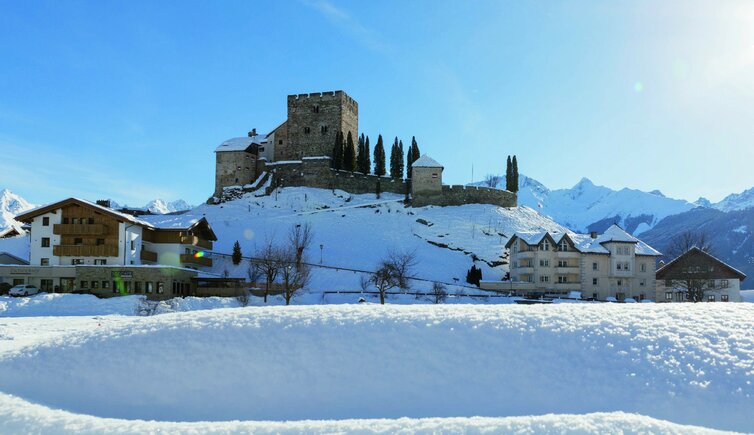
point(128, 100)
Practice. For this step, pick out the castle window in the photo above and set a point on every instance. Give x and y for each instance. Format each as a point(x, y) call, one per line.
point(315, 108)
point(280, 142)
point(307, 130)
point(323, 129)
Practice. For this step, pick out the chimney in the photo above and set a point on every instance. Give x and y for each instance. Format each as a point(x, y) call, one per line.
point(593, 234)
point(253, 132)
point(662, 263)
point(103, 203)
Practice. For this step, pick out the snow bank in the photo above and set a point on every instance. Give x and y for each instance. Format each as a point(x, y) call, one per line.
point(62, 304)
point(747, 295)
point(19, 416)
point(687, 363)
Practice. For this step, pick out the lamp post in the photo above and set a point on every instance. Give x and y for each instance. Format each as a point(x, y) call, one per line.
point(321, 247)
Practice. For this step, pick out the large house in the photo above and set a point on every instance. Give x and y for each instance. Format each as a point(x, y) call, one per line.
point(700, 270)
point(612, 266)
point(80, 245)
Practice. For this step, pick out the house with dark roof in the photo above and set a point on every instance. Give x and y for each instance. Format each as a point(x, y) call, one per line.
point(698, 271)
point(613, 266)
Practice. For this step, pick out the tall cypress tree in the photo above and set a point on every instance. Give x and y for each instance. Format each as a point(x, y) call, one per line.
point(394, 159)
point(360, 155)
point(415, 149)
point(337, 152)
point(409, 161)
point(400, 159)
point(509, 175)
point(349, 154)
point(379, 158)
point(367, 159)
point(515, 174)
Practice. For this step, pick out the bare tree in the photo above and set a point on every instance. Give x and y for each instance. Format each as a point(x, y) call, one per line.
point(439, 292)
point(254, 273)
point(384, 278)
point(364, 282)
point(492, 180)
point(269, 261)
point(401, 263)
point(295, 276)
point(689, 272)
point(300, 238)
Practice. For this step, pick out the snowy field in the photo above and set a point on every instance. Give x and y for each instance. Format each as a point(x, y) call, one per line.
point(690, 364)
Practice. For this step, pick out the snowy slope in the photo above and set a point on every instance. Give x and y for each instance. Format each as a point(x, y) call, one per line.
point(588, 207)
point(356, 231)
point(162, 207)
point(11, 205)
point(370, 361)
point(737, 201)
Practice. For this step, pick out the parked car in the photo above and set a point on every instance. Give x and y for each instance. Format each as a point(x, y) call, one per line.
point(23, 290)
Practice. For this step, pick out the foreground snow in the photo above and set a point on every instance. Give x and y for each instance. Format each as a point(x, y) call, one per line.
point(369, 361)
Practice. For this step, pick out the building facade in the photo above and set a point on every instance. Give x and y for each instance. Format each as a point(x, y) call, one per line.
point(614, 266)
point(698, 269)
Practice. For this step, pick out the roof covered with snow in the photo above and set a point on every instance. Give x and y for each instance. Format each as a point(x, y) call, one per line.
point(240, 143)
point(425, 161)
point(585, 242)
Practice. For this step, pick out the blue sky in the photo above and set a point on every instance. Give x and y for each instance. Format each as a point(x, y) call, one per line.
point(128, 100)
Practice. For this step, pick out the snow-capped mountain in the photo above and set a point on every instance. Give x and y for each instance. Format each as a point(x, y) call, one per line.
point(11, 205)
point(737, 201)
point(162, 207)
point(588, 207)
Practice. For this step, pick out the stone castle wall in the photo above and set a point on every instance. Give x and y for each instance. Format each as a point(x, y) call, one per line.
point(460, 195)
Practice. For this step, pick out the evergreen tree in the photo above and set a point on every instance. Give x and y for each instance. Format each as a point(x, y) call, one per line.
point(236, 253)
point(412, 156)
point(379, 158)
point(360, 155)
point(367, 159)
point(337, 152)
point(394, 159)
point(514, 171)
point(349, 155)
point(508, 175)
point(400, 160)
point(415, 148)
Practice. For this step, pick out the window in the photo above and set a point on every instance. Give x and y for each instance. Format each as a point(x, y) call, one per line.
point(544, 263)
point(620, 282)
point(45, 221)
point(127, 286)
point(711, 283)
point(261, 150)
point(643, 267)
point(95, 284)
point(100, 242)
point(84, 284)
point(105, 284)
point(307, 130)
point(668, 283)
point(642, 283)
point(723, 298)
point(710, 298)
point(594, 295)
point(619, 266)
point(44, 262)
point(45, 242)
point(595, 266)
point(133, 245)
point(65, 220)
point(594, 281)
point(315, 108)
point(137, 287)
point(323, 129)
point(723, 283)
point(90, 221)
point(564, 246)
point(627, 266)
point(100, 261)
point(160, 287)
point(563, 279)
point(148, 287)
point(544, 279)
point(78, 241)
point(45, 285)
point(76, 261)
point(115, 287)
point(544, 246)
point(280, 142)
point(562, 263)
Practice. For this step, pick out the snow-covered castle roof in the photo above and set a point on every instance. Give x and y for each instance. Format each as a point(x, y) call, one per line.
point(241, 143)
point(425, 161)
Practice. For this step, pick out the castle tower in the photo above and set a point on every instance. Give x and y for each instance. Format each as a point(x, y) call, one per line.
point(314, 120)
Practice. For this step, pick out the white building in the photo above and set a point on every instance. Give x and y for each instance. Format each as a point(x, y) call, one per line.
point(612, 266)
point(696, 268)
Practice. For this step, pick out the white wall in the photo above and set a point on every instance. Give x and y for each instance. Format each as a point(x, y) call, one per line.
point(38, 231)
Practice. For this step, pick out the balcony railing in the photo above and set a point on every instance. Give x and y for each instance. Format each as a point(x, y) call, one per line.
point(80, 229)
point(85, 251)
point(193, 259)
point(196, 241)
point(148, 256)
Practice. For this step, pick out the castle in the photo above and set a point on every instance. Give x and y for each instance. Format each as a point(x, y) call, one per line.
point(298, 152)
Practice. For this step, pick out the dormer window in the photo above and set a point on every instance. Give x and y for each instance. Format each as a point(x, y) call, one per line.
point(544, 246)
point(564, 246)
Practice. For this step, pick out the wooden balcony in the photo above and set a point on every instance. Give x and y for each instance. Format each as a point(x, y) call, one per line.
point(196, 241)
point(199, 261)
point(80, 229)
point(148, 256)
point(85, 251)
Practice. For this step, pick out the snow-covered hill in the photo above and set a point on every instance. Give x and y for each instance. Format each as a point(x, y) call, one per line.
point(588, 207)
point(356, 231)
point(277, 369)
point(737, 201)
point(10, 206)
point(162, 207)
